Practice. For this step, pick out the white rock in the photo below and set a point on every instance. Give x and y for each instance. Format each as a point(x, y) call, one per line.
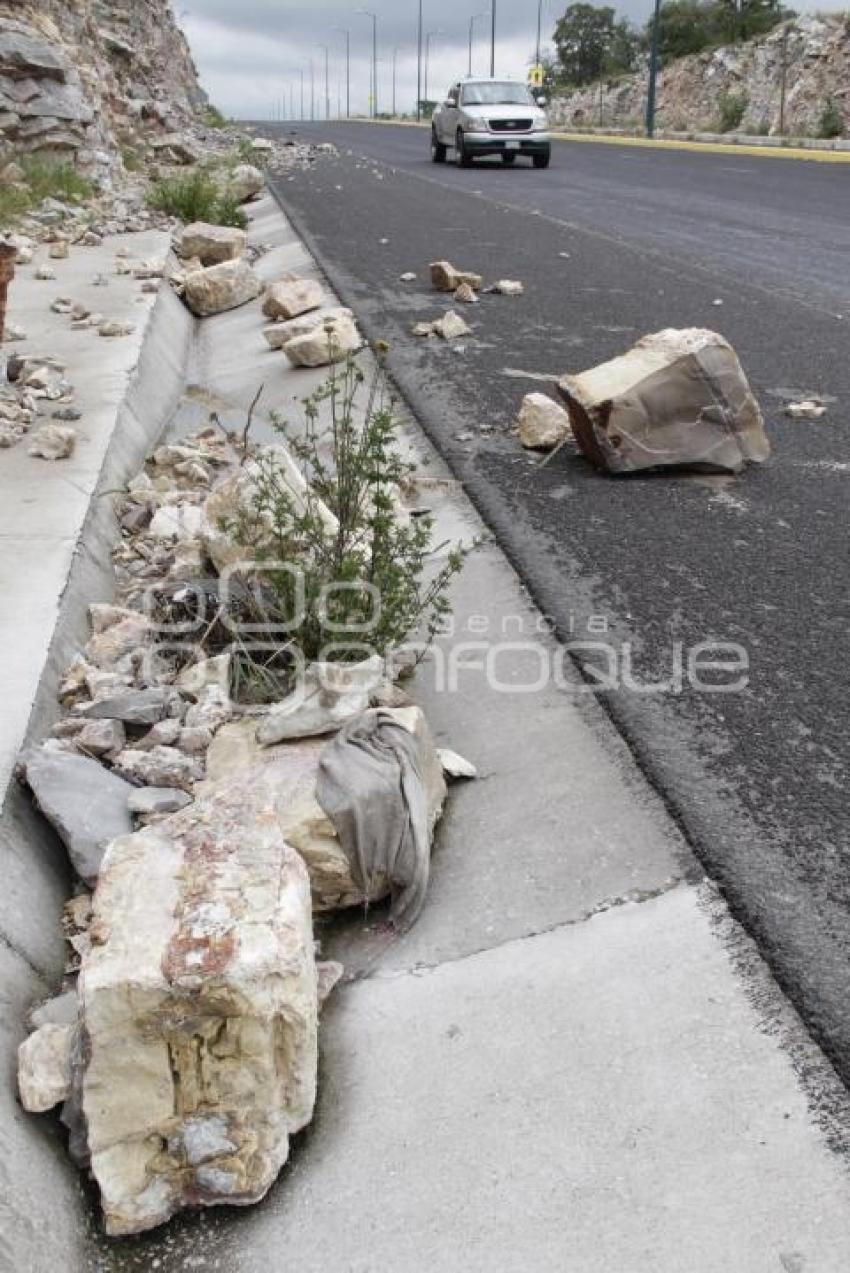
point(278, 334)
point(235, 496)
point(455, 766)
point(212, 710)
point(44, 1068)
point(211, 244)
point(200, 1006)
point(106, 649)
point(508, 287)
point(262, 145)
point(197, 676)
point(290, 297)
point(159, 767)
point(451, 326)
point(245, 182)
point(45, 273)
point(221, 287)
point(58, 251)
point(542, 422)
point(327, 343)
point(53, 442)
point(328, 695)
point(408, 277)
point(176, 521)
point(445, 278)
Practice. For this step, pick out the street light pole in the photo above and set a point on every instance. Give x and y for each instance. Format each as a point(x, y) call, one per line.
point(653, 72)
point(493, 41)
point(367, 14)
point(302, 94)
point(324, 49)
point(419, 65)
point(539, 30)
point(347, 35)
point(312, 91)
point(432, 35)
point(396, 52)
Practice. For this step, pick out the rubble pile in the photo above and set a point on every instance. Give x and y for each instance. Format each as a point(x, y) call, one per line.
point(184, 1048)
point(816, 51)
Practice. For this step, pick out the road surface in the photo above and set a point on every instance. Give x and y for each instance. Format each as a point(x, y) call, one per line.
point(613, 242)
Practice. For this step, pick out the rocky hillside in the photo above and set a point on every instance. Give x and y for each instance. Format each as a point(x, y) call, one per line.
point(90, 80)
point(691, 90)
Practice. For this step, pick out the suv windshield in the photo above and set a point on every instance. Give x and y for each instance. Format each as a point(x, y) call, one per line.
point(506, 94)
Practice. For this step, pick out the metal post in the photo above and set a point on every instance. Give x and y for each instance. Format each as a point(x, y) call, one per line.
point(395, 57)
point(493, 40)
point(783, 83)
point(348, 74)
point(471, 26)
point(375, 58)
point(327, 85)
point(653, 72)
point(539, 30)
point(419, 66)
point(312, 91)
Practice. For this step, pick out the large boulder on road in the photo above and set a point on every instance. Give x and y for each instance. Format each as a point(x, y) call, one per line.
point(678, 398)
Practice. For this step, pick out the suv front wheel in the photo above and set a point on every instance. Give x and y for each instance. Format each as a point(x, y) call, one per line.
point(462, 155)
point(438, 150)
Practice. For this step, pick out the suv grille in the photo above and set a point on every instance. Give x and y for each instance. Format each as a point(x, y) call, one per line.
point(510, 125)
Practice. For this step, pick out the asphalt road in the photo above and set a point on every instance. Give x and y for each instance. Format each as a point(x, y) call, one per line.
point(613, 242)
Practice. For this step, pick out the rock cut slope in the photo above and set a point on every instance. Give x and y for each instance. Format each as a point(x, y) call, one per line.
point(88, 80)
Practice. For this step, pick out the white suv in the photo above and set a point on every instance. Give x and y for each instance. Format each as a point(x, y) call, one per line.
point(491, 117)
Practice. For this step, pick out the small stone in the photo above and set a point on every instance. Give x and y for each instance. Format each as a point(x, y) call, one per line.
point(100, 737)
point(45, 273)
point(44, 1068)
point(465, 295)
point(807, 409)
point(211, 244)
point(195, 739)
point(408, 277)
point(329, 342)
point(445, 278)
point(221, 287)
point(451, 326)
point(159, 767)
point(15, 332)
point(134, 708)
point(67, 414)
point(507, 287)
point(542, 423)
point(53, 442)
point(291, 296)
point(455, 766)
point(58, 251)
point(111, 328)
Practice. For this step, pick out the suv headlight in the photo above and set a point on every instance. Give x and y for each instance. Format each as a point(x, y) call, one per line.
point(476, 123)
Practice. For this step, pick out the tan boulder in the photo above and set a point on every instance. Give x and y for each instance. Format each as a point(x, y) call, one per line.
point(678, 398)
point(211, 244)
point(328, 342)
point(221, 287)
point(542, 423)
point(199, 1002)
point(445, 278)
point(291, 296)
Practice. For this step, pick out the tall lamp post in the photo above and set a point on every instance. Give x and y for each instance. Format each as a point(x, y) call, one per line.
point(345, 31)
point(472, 22)
point(398, 49)
point(493, 39)
point(312, 91)
point(539, 31)
point(653, 72)
point(419, 65)
point(367, 14)
point(326, 51)
point(302, 94)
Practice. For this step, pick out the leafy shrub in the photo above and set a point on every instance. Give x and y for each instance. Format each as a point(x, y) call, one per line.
point(44, 179)
point(353, 466)
point(131, 159)
point(831, 121)
point(197, 196)
point(213, 117)
point(732, 107)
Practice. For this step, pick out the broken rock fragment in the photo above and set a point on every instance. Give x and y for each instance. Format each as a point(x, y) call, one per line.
point(245, 182)
point(85, 803)
point(199, 1002)
point(542, 422)
point(328, 342)
point(291, 296)
point(53, 442)
point(445, 278)
point(211, 244)
point(221, 287)
point(44, 1068)
point(678, 398)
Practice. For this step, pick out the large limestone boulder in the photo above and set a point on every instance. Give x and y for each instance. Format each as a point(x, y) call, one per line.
point(199, 1003)
point(279, 334)
point(211, 244)
point(235, 498)
point(291, 296)
point(221, 287)
point(330, 341)
point(678, 398)
point(246, 182)
point(284, 779)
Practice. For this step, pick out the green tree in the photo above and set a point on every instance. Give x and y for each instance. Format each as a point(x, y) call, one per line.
point(591, 43)
point(743, 19)
point(685, 26)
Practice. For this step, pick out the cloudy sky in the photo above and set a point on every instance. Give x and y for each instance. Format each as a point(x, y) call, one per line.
point(250, 53)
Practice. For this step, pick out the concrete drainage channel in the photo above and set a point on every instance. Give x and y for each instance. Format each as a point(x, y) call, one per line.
point(574, 1038)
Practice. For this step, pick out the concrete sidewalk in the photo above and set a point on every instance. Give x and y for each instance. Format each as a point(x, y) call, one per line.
point(576, 1060)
